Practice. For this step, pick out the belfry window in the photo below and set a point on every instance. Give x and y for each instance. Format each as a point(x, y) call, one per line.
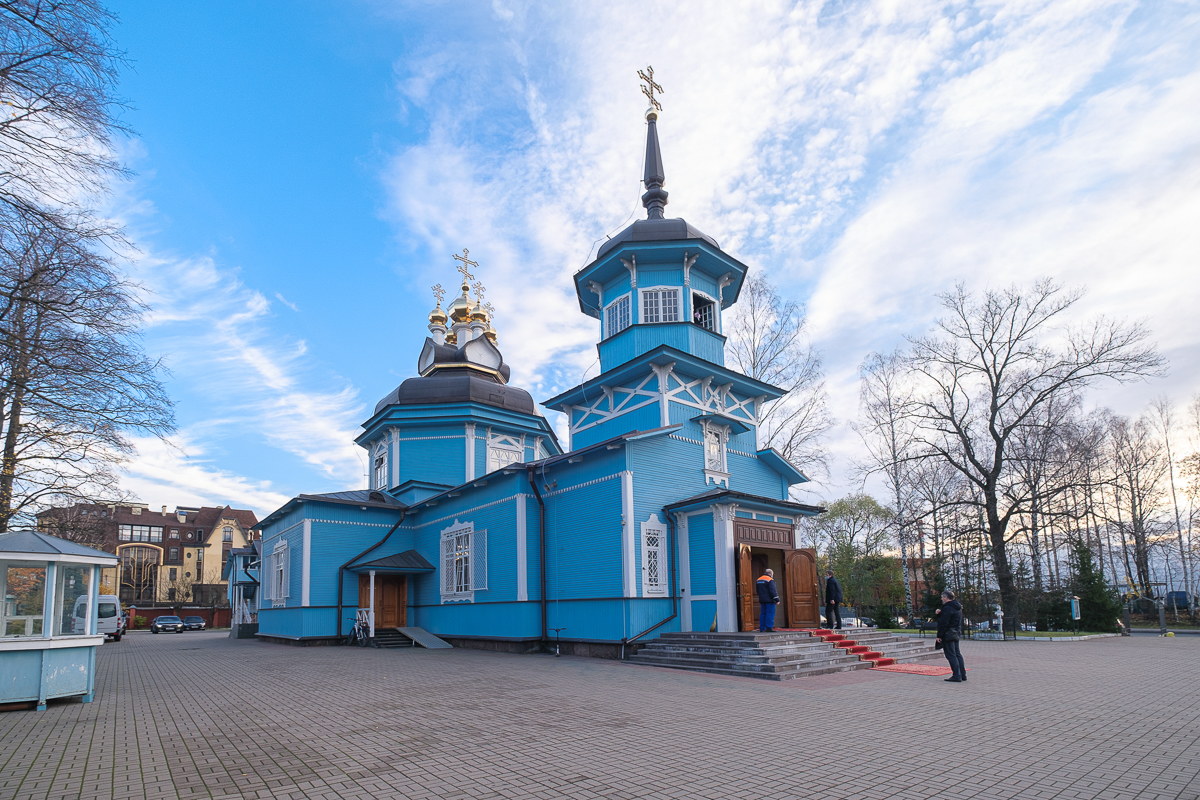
point(660, 305)
point(704, 312)
point(616, 316)
point(381, 468)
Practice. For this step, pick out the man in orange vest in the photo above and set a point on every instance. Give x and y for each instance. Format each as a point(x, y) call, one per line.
point(767, 598)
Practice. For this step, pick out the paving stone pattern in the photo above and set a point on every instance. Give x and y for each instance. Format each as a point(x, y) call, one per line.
point(199, 715)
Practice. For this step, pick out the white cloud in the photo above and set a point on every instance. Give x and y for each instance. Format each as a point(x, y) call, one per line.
point(869, 153)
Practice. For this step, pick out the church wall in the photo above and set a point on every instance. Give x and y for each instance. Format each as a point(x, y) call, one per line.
point(433, 458)
point(752, 476)
point(642, 419)
point(335, 543)
point(702, 555)
point(584, 532)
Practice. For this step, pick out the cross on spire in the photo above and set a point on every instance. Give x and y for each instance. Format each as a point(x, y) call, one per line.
point(651, 87)
point(465, 266)
point(479, 290)
point(438, 293)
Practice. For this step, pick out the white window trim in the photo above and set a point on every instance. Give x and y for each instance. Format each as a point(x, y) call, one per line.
point(279, 575)
point(716, 476)
point(512, 446)
point(654, 556)
point(642, 302)
point(476, 562)
point(627, 297)
point(380, 452)
point(716, 309)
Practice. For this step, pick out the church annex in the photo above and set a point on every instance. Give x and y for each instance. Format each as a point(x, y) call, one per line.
point(480, 527)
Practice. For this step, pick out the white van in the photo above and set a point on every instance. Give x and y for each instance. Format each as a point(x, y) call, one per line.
point(110, 621)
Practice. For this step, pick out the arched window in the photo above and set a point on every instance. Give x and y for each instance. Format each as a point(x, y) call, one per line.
point(381, 467)
point(227, 534)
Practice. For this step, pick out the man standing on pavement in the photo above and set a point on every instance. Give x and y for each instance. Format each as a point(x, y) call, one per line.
point(833, 596)
point(949, 632)
point(768, 596)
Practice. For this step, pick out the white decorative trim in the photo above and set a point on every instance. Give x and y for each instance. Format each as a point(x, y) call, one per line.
point(688, 261)
point(470, 436)
point(725, 280)
point(627, 544)
point(717, 478)
point(685, 572)
point(631, 265)
point(425, 438)
point(592, 482)
point(395, 465)
point(725, 552)
point(306, 567)
point(685, 439)
point(741, 453)
point(605, 329)
point(462, 512)
point(446, 561)
point(348, 522)
point(654, 531)
point(663, 373)
point(522, 558)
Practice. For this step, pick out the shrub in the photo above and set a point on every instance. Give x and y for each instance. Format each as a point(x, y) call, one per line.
point(139, 622)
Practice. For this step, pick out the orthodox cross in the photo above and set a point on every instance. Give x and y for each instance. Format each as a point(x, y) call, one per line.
point(439, 293)
point(651, 87)
point(489, 309)
point(465, 266)
point(479, 290)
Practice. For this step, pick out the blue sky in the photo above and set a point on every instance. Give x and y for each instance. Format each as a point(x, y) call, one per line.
point(305, 170)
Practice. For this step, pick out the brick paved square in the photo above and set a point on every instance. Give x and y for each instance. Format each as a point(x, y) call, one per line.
point(204, 716)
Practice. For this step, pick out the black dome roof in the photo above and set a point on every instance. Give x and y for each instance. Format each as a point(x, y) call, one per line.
point(655, 230)
point(465, 388)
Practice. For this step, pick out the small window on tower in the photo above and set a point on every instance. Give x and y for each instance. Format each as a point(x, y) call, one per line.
point(704, 312)
point(660, 305)
point(616, 316)
point(381, 468)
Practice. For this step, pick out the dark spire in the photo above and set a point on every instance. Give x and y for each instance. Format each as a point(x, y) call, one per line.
point(655, 198)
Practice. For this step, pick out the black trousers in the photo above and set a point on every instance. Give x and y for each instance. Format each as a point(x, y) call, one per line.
point(832, 611)
point(954, 657)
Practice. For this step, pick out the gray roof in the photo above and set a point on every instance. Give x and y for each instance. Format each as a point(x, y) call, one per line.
point(655, 230)
point(48, 546)
point(357, 497)
point(443, 388)
point(408, 561)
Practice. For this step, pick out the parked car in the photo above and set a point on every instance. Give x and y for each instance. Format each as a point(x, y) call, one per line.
point(193, 623)
point(110, 620)
point(166, 623)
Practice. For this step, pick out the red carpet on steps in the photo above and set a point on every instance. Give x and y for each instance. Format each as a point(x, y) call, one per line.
point(842, 641)
point(918, 669)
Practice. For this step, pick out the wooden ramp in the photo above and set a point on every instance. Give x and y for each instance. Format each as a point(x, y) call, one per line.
point(425, 638)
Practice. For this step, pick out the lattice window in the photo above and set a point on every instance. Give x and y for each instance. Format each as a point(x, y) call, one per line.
point(714, 449)
point(654, 557)
point(660, 305)
point(704, 312)
point(464, 561)
point(381, 468)
point(500, 457)
point(616, 316)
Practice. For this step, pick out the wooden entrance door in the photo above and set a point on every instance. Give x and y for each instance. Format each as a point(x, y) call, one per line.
point(800, 589)
point(391, 599)
point(746, 590)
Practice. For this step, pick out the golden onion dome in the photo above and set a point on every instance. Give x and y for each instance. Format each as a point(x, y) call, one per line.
point(460, 309)
point(451, 338)
point(437, 316)
point(490, 333)
point(478, 314)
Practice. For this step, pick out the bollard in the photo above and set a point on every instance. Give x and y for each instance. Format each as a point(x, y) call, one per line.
point(1162, 618)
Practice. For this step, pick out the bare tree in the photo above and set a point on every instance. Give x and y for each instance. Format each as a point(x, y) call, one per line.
point(885, 400)
point(74, 381)
point(1139, 465)
point(1163, 416)
point(994, 362)
point(58, 70)
point(767, 342)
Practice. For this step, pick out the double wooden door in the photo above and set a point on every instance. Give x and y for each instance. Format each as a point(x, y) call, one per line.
point(797, 588)
point(391, 599)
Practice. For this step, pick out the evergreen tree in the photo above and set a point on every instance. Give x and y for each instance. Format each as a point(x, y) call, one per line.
point(1098, 603)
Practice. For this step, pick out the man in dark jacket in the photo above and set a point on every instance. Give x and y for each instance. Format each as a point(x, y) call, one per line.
point(833, 596)
point(948, 635)
point(768, 596)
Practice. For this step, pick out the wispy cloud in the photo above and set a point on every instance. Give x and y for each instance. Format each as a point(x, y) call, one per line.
point(866, 155)
point(287, 302)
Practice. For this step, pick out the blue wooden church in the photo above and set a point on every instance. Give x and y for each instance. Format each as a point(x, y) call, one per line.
point(479, 526)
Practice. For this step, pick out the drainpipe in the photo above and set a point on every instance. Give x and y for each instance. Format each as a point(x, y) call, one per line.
point(342, 568)
point(545, 634)
point(671, 588)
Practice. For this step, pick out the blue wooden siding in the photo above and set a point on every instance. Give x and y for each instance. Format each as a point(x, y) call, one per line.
point(702, 555)
point(584, 532)
point(642, 419)
point(703, 612)
point(298, 622)
point(639, 338)
point(435, 460)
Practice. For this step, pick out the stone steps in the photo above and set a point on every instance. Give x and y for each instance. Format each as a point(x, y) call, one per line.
point(780, 655)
